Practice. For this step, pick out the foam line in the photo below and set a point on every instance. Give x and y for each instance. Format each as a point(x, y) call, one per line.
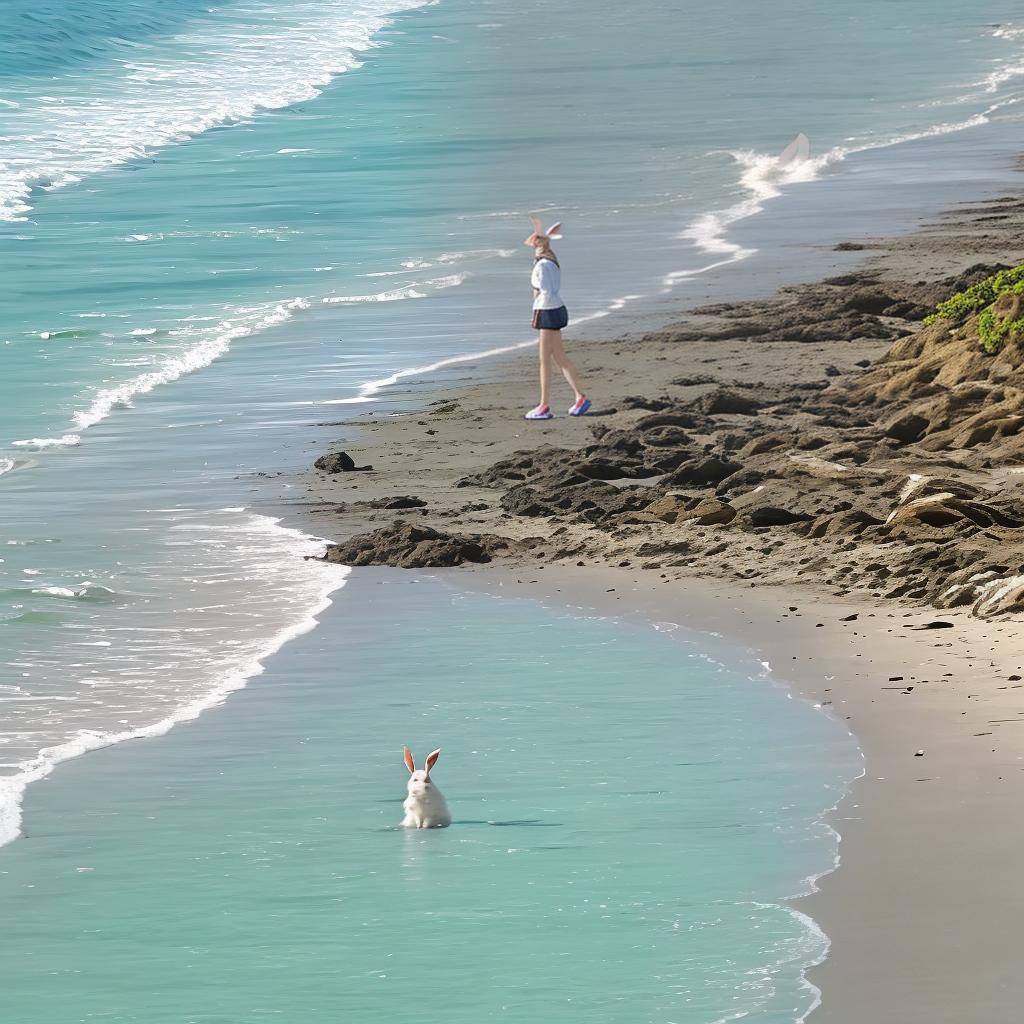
point(212, 347)
point(225, 69)
point(369, 390)
point(325, 579)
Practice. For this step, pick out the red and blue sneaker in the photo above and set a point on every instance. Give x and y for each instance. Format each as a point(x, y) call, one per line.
point(542, 412)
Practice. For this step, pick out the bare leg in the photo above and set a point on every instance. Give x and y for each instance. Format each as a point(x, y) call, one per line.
point(565, 364)
point(544, 351)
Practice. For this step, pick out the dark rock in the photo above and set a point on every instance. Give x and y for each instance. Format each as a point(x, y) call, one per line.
point(403, 501)
point(905, 427)
point(339, 462)
point(710, 512)
point(709, 470)
point(843, 524)
point(413, 547)
point(868, 300)
point(768, 515)
point(723, 402)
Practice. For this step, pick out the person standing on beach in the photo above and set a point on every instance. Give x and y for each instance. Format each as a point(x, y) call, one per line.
point(549, 317)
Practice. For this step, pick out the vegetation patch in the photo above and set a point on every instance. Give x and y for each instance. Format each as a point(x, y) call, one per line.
point(997, 299)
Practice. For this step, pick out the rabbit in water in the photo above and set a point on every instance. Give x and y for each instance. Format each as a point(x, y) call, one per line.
point(425, 805)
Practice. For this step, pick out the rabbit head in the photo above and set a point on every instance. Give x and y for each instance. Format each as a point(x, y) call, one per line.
point(540, 238)
point(419, 779)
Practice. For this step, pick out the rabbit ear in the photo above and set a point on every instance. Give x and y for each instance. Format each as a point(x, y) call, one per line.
point(555, 230)
point(432, 759)
point(535, 221)
point(409, 762)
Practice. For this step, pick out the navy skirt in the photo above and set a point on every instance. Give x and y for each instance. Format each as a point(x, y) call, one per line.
point(550, 319)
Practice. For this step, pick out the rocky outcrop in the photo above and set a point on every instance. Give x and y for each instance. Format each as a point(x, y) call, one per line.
point(898, 481)
point(407, 546)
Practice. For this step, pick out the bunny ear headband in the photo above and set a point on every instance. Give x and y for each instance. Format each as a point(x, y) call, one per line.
point(552, 232)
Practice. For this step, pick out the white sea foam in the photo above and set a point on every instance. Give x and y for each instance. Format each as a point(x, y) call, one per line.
point(39, 443)
point(225, 69)
point(55, 591)
point(285, 594)
point(416, 290)
point(446, 258)
point(202, 345)
point(204, 339)
point(371, 389)
point(6, 465)
point(763, 177)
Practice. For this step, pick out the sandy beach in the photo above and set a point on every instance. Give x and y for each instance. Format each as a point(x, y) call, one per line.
point(846, 610)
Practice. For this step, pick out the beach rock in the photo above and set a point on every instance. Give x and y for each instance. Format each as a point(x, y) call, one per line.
point(965, 588)
point(400, 502)
point(1000, 597)
point(944, 510)
point(709, 470)
point(725, 401)
point(769, 515)
point(668, 508)
point(595, 500)
point(850, 523)
point(765, 443)
point(339, 462)
point(711, 512)
point(906, 427)
point(407, 546)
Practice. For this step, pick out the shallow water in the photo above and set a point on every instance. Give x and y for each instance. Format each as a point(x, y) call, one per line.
point(627, 816)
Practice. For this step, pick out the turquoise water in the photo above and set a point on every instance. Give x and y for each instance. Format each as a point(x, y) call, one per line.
point(222, 224)
point(627, 817)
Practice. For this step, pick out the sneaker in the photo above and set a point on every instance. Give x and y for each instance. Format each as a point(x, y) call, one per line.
point(542, 412)
point(581, 407)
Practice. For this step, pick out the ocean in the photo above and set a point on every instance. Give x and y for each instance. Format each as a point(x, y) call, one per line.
point(223, 224)
point(629, 815)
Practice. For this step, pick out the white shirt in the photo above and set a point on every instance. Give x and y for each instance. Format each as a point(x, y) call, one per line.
point(547, 279)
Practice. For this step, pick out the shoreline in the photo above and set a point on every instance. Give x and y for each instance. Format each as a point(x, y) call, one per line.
point(883, 909)
point(885, 913)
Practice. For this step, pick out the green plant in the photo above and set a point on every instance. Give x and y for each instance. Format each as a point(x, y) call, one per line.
point(993, 330)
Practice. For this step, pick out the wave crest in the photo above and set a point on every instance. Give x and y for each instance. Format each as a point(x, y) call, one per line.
point(223, 71)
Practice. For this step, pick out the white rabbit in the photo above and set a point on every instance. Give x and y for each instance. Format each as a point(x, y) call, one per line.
point(425, 806)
